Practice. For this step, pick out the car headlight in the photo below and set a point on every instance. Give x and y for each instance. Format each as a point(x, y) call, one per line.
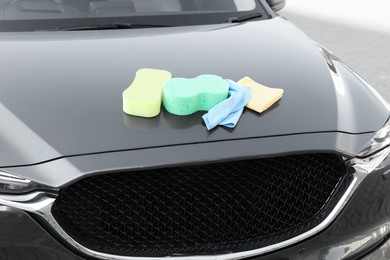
point(13, 184)
point(18, 193)
point(380, 141)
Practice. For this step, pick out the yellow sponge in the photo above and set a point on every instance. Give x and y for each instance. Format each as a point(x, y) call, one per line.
point(144, 96)
point(262, 97)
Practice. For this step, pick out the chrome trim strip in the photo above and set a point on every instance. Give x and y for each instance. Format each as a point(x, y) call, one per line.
point(36, 202)
point(41, 203)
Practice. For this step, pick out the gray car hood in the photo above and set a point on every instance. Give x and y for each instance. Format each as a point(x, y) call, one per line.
point(61, 92)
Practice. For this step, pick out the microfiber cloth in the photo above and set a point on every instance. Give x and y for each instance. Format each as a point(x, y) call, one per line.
point(262, 97)
point(228, 111)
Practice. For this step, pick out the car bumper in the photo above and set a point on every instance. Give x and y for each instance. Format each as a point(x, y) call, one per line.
point(380, 253)
point(21, 237)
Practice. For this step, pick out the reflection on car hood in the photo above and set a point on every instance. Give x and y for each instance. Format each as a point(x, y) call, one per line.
point(60, 92)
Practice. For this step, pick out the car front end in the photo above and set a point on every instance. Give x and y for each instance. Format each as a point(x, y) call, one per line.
point(79, 179)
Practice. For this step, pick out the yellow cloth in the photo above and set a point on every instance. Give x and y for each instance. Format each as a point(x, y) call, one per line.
point(262, 97)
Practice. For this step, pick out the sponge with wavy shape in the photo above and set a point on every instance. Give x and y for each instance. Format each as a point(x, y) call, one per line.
point(183, 96)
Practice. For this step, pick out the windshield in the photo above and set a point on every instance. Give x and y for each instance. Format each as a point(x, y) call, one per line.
point(26, 15)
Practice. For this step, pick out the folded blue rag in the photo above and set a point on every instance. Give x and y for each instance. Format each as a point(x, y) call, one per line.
point(228, 111)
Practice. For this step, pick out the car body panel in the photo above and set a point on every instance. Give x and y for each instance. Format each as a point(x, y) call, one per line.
point(21, 237)
point(63, 171)
point(80, 76)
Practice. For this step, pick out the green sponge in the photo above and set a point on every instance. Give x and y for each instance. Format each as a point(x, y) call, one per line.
point(144, 96)
point(186, 96)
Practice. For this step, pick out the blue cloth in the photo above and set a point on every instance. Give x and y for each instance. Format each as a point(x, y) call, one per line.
point(228, 111)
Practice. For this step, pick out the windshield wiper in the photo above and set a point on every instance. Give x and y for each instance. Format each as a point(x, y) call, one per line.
point(109, 27)
point(244, 18)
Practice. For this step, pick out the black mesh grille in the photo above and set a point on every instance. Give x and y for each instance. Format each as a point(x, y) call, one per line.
point(215, 208)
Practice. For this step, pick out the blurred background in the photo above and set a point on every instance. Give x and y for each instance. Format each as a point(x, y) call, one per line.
point(357, 31)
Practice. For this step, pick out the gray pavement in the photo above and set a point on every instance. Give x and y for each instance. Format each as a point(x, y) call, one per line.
point(365, 50)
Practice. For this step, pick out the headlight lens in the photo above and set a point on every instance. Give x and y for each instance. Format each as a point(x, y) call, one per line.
point(380, 141)
point(13, 184)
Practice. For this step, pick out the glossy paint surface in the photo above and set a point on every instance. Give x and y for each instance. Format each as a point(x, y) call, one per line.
point(60, 92)
point(61, 172)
